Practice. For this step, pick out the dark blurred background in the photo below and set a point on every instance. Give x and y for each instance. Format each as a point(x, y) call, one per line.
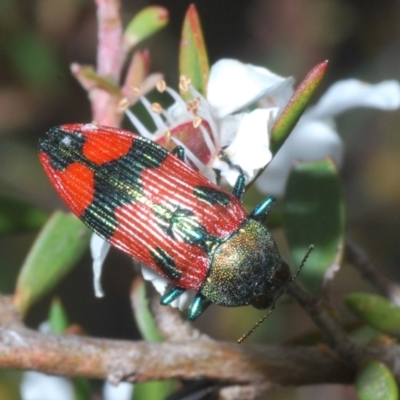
point(39, 39)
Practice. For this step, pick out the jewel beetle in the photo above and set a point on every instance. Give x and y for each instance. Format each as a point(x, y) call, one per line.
point(147, 202)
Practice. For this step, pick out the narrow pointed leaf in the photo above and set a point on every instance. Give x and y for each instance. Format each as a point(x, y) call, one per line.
point(375, 381)
point(314, 214)
point(148, 328)
point(376, 311)
point(143, 317)
point(58, 317)
point(82, 389)
point(193, 59)
point(60, 244)
point(89, 79)
point(296, 106)
point(145, 24)
point(137, 71)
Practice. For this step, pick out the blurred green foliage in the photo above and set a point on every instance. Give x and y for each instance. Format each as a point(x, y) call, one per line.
point(41, 38)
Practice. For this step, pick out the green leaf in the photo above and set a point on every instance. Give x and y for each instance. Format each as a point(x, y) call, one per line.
point(145, 322)
point(154, 390)
point(82, 389)
point(17, 216)
point(296, 106)
point(145, 23)
point(193, 59)
point(314, 214)
point(376, 311)
point(58, 317)
point(375, 381)
point(143, 317)
point(59, 246)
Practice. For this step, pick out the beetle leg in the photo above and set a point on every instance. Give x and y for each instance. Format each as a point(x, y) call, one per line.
point(199, 304)
point(179, 152)
point(262, 210)
point(171, 293)
point(238, 189)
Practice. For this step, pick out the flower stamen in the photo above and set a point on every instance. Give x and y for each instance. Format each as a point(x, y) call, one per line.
point(136, 90)
point(184, 83)
point(156, 108)
point(123, 104)
point(161, 85)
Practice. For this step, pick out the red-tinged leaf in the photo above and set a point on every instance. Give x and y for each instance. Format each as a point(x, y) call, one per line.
point(89, 79)
point(137, 72)
point(193, 59)
point(145, 24)
point(296, 106)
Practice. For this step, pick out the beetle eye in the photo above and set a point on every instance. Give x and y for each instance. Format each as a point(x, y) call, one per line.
point(282, 272)
point(261, 302)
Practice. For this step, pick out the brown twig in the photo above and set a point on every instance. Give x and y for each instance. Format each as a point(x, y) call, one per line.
point(360, 260)
point(324, 317)
point(70, 355)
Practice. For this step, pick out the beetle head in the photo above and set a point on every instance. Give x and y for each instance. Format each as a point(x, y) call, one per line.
point(246, 269)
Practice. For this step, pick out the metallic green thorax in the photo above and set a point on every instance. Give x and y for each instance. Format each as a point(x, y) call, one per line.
point(243, 268)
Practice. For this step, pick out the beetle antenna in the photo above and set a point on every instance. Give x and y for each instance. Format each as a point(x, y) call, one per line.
point(310, 249)
point(258, 323)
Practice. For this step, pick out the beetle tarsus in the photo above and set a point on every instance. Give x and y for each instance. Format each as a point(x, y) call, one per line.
point(200, 303)
point(172, 293)
point(238, 189)
point(262, 210)
point(179, 152)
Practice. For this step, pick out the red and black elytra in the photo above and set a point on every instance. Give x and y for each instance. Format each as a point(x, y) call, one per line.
point(147, 202)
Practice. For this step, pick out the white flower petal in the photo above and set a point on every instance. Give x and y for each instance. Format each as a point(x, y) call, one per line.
point(233, 85)
point(38, 386)
point(351, 93)
point(250, 148)
point(99, 248)
point(311, 141)
point(228, 129)
point(122, 391)
point(160, 284)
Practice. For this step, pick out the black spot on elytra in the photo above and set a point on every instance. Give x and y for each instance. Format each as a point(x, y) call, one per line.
point(118, 182)
point(63, 148)
point(166, 263)
point(211, 196)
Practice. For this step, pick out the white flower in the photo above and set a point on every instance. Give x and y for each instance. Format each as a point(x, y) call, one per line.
point(220, 124)
point(99, 248)
point(38, 386)
point(207, 127)
point(315, 137)
point(233, 86)
point(122, 391)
